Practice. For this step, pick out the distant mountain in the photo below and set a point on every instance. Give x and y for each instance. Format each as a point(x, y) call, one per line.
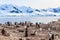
point(9, 8)
point(15, 9)
point(55, 10)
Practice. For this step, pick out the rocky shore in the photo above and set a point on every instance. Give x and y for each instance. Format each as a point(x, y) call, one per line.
point(29, 31)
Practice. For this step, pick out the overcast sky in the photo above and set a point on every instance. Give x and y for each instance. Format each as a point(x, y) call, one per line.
point(33, 3)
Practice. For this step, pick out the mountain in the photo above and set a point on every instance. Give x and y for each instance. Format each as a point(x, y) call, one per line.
point(54, 10)
point(24, 10)
point(15, 9)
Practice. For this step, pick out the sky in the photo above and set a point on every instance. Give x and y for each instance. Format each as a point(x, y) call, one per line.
point(33, 3)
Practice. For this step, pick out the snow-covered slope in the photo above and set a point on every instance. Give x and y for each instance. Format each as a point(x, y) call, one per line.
point(9, 9)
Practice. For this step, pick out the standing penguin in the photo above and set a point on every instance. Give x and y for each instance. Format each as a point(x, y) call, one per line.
point(51, 36)
point(3, 31)
point(26, 32)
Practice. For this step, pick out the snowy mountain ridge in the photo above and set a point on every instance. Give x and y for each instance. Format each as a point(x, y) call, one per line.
point(23, 10)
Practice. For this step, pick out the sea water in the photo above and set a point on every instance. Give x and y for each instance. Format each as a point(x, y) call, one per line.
point(43, 19)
